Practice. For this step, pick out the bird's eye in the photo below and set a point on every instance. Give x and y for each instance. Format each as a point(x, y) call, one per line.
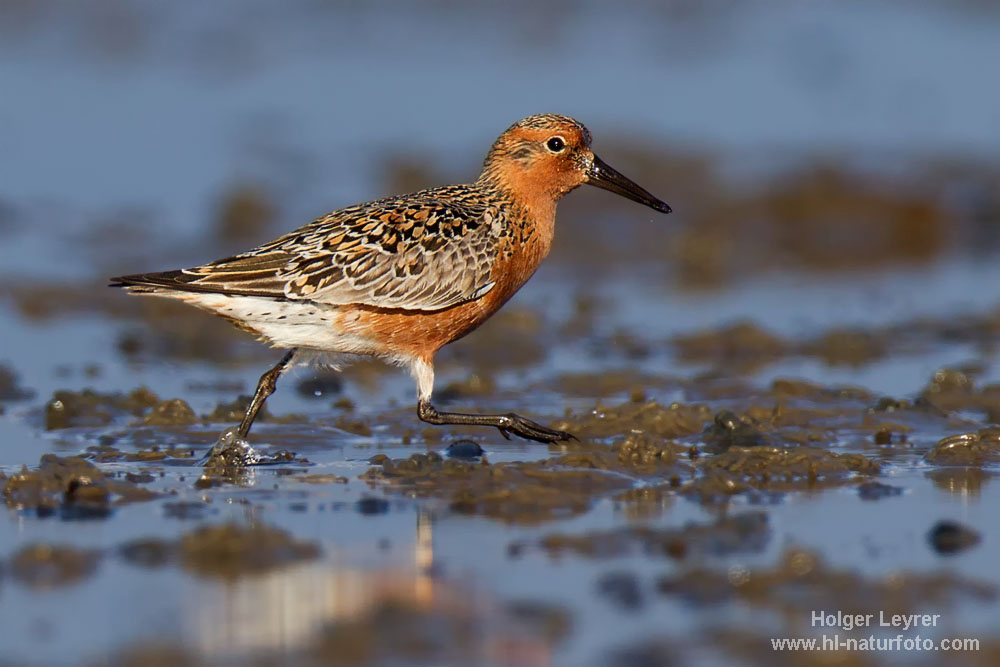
point(555, 144)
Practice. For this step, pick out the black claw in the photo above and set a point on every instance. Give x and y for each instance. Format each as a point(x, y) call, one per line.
point(533, 431)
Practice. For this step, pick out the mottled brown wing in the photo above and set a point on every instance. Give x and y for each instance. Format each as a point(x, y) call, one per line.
point(421, 252)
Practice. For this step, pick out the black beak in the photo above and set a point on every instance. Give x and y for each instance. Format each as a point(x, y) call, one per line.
point(603, 176)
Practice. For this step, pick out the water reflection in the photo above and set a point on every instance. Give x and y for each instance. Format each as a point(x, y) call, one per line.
point(966, 483)
point(284, 609)
point(335, 604)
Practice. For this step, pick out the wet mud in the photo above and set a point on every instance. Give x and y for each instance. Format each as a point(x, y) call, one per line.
point(694, 492)
point(524, 493)
point(70, 488)
point(69, 409)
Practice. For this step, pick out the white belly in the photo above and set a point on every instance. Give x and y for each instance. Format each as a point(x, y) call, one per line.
point(283, 323)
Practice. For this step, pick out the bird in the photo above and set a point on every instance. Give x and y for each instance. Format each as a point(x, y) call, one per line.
point(398, 278)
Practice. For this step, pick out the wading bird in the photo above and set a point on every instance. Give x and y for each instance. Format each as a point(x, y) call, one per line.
point(400, 277)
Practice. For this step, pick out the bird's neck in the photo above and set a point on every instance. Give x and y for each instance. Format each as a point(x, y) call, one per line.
point(534, 200)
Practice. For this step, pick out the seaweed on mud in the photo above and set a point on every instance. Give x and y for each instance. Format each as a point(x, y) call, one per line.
point(637, 454)
point(790, 413)
point(791, 463)
point(794, 412)
point(644, 453)
point(525, 493)
point(774, 469)
point(91, 408)
point(740, 455)
point(729, 429)
point(94, 409)
point(72, 487)
point(975, 448)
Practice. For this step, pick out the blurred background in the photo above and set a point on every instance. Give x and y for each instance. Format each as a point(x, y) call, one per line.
point(136, 133)
point(819, 142)
point(834, 169)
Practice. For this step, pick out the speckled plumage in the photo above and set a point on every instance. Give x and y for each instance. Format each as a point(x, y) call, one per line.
point(402, 276)
point(425, 251)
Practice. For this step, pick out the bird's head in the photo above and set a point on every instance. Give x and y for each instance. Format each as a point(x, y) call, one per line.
point(547, 155)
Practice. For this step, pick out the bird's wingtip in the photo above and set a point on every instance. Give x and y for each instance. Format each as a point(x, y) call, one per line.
point(127, 281)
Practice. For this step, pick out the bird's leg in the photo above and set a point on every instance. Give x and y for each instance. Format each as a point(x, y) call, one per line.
point(508, 423)
point(265, 387)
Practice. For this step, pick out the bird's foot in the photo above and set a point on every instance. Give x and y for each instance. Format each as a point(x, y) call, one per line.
point(230, 450)
point(525, 428)
point(508, 424)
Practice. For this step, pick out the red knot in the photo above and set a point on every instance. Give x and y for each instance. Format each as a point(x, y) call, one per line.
point(400, 277)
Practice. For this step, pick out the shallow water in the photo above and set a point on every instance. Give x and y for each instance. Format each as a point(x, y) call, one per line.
point(727, 369)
